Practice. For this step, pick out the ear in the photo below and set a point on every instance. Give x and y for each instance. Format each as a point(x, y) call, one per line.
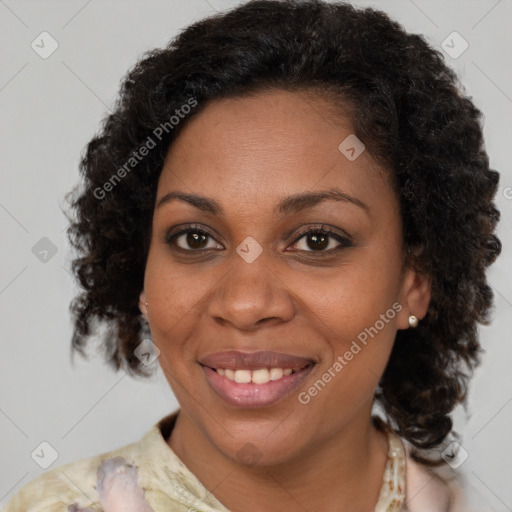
point(415, 294)
point(142, 304)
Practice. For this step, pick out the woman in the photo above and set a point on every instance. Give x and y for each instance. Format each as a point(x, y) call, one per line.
point(293, 202)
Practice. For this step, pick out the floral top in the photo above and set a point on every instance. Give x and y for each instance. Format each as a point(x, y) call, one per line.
point(148, 476)
point(392, 493)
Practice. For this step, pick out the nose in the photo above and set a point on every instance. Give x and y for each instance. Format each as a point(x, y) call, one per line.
point(250, 295)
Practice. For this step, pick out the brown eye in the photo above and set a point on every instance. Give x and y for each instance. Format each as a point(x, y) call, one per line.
point(191, 239)
point(322, 240)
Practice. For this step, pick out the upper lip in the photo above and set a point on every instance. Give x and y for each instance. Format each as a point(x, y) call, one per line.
point(236, 360)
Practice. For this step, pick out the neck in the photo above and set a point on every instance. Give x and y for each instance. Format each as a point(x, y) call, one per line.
point(344, 472)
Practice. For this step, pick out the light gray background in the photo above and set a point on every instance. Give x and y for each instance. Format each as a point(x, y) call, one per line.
point(50, 108)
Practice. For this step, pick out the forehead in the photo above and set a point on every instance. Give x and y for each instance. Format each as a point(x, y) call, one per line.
point(269, 145)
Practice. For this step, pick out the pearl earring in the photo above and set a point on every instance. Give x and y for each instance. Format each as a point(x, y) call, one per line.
point(145, 314)
point(413, 321)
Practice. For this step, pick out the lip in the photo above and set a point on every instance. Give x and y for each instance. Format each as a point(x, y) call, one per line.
point(236, 360)
point(251, 395)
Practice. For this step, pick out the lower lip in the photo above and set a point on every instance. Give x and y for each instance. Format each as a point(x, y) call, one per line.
point(249, 394)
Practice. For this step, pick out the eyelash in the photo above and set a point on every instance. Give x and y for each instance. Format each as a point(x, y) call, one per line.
point(344, 240)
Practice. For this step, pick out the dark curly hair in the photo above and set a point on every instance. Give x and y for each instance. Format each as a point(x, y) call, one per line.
point(406, 106)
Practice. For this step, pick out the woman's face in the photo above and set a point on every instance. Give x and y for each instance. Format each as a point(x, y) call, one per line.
point(258, 282)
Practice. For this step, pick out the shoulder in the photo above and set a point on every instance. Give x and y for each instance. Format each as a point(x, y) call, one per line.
point(426, 490)
point(73, 483)
point(438, 489)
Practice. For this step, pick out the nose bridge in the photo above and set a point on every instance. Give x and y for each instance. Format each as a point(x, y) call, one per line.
point(250, 291)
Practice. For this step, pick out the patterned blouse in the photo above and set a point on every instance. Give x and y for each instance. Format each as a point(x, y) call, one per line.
point(148, 476)
point(392, 492)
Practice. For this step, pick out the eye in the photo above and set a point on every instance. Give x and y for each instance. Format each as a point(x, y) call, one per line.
point(192, 239)
point(322, 240)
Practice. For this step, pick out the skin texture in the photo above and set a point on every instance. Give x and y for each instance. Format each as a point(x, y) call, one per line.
point(248, 153)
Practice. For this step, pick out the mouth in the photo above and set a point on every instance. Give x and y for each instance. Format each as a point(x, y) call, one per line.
point(259, 387)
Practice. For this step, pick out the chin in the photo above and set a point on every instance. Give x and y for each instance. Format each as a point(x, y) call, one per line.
point(261, 447)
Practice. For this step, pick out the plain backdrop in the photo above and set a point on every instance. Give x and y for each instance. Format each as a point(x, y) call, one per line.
point(50, 108)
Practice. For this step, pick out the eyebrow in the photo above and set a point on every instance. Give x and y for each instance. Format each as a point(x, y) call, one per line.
point(286, 206)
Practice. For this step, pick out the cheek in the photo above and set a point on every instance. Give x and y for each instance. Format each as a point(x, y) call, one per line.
point(175, 297)
point(359, 334)
point(178, 296)
point(355, 308)
point(350, 298)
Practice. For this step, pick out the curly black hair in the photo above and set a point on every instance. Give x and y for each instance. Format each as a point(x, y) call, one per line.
point(410, 111)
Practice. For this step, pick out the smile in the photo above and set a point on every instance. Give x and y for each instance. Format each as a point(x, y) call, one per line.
point(255, 388)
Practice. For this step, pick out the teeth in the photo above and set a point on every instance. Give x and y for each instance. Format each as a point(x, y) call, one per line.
point(242, 376)
point(260, 376)
point(276, 373)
